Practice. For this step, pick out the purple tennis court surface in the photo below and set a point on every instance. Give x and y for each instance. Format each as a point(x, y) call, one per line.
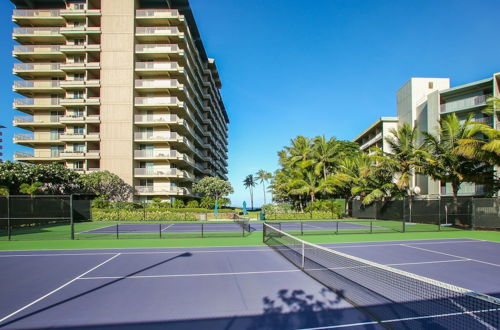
point(221, 227)
point(213, 288)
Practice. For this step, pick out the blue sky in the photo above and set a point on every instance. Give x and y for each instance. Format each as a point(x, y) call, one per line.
point(325, 67)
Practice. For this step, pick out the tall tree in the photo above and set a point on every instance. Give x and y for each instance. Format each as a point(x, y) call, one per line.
point(444, 160)
point(213, 187)
point(263, 177)
point(250, 183)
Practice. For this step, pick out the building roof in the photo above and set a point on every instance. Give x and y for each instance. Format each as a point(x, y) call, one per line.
point(375, 124)
point(466, 87)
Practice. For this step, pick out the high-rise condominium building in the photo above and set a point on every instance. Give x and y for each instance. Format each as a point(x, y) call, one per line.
point(119, 85)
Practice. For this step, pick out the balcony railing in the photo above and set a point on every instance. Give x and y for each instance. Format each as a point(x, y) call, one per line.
point(156, 118)
point(156, 171)
point(36, 49)
point(156, 101)
point(156, 13)
point(157, 48)
point(167, 66)
point(157, 83)
point(36, 102)
point(165, 136)
point(466, 103)
point(36, 66)
point(33, 31)
point(31, 119)
point(41, 13)
point(160, 190)
point(24, 137)
point(76, 118)
point(37, 154)
point(484, 120)
point(163, 30)
point(37, 84)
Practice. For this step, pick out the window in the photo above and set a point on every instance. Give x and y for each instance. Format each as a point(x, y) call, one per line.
point(431, 85)
point(79, 42)
point(78, 165)
point(77, 130)
point(78, 147)
point(79, 76)
point(79, 59)
point(78, 94)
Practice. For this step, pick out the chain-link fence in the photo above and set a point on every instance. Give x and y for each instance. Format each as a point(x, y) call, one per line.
point(434, 214)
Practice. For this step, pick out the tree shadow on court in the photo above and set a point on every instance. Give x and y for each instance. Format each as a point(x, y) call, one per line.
point(182, 255)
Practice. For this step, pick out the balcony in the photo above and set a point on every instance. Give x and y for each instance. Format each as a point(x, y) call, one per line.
point(484, 120)
point(80, 48)
point(79, 137)
point(72, 154)
point(74, 13)
point(37, 17)
point(163, 33)
point(159, 190)
point(30, 121)
point(159, 50)
point(80, 30)
point(151, 102)
point(37, 85)
point(159, 15)
point(36, 103)
point(33, 52)
point(157, 137)
point(38, 34)
point(372, 140)
point(466, 103)
point(69, 66)
point(68, 84)
point(157, 84)
point(95, 100)
point(90, 119)
point(36, 68)
point(156, 120)
point(42, 138)
point(157, 172)
point(36, 155)
point(154, 68)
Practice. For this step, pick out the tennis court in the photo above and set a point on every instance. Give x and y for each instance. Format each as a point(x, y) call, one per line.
point(182, 288)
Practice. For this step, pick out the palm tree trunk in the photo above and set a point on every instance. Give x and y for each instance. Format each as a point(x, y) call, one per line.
point(264, 190)
point(300, 204)
point(455, 187)
point(251, 197)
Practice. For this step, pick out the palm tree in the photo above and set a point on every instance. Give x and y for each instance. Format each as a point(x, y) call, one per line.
point(299, 152)
point(249, 183)
point(306, 183)
point(324, 152)
point(263, 176)
point(445, 160)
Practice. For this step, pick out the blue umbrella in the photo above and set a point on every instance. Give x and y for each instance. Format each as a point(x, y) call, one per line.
point(245, 208)
point(216, 208)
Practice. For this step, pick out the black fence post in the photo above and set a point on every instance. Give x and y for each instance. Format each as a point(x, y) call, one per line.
point(160, 230)
point(371, 227)
point(117, 232)
point(242, 231)
point(404, 220)
point(336, 227)
point(302, 228)
point(144, 211)
point(9, 232)
point(201, 230)
point(472, 214)
point(71, 219)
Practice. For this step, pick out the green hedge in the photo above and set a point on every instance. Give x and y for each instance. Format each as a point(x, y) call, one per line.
point(138, 215)
point(165, 209)
point(302, 216)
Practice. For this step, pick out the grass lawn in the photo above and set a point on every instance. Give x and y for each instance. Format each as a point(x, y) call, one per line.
point(254, 238)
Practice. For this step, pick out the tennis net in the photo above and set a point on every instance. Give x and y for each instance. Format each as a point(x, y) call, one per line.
point(395, 298)
point(243, 223)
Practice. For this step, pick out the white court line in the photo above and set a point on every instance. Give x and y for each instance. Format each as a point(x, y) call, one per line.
point(407, 319)
point(59, 288)
point(334, 245)
point(168, 227)
point(452, 255)
point(255, 273)
point(189, 275)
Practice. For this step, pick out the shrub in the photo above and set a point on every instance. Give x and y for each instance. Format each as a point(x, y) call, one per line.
point(325, 206)
point(101, 203)
point(207, 202)
point(138, 215)
point(277, 208)
point(303, 216)
point(193, 204)
point(178, 203)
